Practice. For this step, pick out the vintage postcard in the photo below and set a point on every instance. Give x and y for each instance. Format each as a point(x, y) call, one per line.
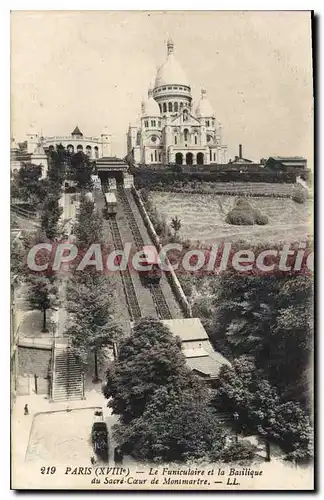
point(162, 250)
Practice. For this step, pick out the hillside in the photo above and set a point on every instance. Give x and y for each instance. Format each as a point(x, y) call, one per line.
point(203, 218)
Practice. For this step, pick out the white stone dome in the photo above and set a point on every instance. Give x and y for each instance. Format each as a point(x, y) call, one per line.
point(150, 107)
point(171, 73)
point(204, 108)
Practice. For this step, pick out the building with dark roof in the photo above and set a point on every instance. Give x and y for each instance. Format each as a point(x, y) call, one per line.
point(286, 163)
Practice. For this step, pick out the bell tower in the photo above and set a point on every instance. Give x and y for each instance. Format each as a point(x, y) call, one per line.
point(106, 143)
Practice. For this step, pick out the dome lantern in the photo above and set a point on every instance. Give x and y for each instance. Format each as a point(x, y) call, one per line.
point(170, 46)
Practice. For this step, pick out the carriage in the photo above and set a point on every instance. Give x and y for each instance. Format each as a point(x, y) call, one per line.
point(152, 274)
point(111, 203)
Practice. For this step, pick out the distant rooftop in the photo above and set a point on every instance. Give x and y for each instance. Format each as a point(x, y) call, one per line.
point(110, 159)
point(288, 158)
point(76, 131)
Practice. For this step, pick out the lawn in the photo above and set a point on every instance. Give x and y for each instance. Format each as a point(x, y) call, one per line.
point(203, 218)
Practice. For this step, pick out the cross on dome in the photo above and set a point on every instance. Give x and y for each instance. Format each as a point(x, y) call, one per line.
point(170, 46)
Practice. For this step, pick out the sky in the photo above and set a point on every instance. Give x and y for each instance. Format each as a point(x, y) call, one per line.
point(93, 68)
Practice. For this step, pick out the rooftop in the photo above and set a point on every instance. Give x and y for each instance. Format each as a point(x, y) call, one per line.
point(76, 131)
point(187, 329)
point(288, 158)
point(196, 346)
point(171, 73)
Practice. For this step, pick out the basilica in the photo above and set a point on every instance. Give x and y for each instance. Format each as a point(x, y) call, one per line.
point(171, 129)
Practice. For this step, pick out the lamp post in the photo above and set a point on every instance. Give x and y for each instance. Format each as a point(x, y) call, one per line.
point(236, 417)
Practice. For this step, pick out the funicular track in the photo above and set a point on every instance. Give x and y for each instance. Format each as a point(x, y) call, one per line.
point(160, 303)
point(129, 289)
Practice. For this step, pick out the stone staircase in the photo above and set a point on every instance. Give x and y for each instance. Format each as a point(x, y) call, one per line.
point(67, 376)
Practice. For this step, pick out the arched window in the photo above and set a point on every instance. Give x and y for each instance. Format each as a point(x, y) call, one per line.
point(88, 150)
point(80, 147)
point(195, 139)
point(146, 123)
point(160, 107)
point(70, 148)
point(164, 107)
point(175, 139)
point(179, 158)
point(151, 156)
point(96, 150)
point(155, 155)
point(175, 107)
point(170, 107)
point(186, 134)
point(200, 158)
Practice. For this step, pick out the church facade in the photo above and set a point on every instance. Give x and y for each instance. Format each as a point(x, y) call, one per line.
point(172, 130)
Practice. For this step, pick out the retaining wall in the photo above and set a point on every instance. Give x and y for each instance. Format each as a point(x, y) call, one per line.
point(170, 274)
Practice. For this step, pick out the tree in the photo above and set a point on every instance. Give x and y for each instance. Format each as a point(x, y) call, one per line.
point(175, 426)
point(17, 265)
point(50, 215)
point(41, 294)
point(27, 184)
point(262, 410)
point(176, 224)
point(268, 317)
point(288, 346)
point(89, 226)
point(148, 359)
point(59, 160)
point(91, 326)
point(81, 169)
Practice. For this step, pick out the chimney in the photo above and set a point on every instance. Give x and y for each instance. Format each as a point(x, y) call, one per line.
point(240, 150)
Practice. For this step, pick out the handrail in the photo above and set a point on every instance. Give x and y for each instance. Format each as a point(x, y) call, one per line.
point(53, 368)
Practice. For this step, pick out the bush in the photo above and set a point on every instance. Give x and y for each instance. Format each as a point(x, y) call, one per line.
point(243, 204)
point(261, 219)
point(299, 195)
point(238, 452)
point(240, 217)
point(243, 214)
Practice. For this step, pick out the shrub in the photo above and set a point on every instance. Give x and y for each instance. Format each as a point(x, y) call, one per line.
point(261, 219)
point(242, 204)
point(243, 214)
point(240, 217)
point(238, 452)
point(299, 195)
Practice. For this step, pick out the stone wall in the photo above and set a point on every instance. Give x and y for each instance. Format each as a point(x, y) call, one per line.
point(33, 361)
point(171, 275)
